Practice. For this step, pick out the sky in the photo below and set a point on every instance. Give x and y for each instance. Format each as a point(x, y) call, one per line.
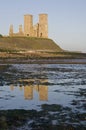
point(66, 19)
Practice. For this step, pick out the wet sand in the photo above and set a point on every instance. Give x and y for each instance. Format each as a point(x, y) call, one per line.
point(43, 61)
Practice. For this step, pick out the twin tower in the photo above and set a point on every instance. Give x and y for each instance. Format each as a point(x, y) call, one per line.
point(29, 30)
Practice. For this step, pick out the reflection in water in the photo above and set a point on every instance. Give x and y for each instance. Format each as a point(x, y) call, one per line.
point(11, 87)
point(60, 89)
point(50, 84)
point(43, 93)
point(29, 91)
point(20, 88)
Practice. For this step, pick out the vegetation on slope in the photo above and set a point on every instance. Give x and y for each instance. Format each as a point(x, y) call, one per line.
point(26, 44)
point(34, 48)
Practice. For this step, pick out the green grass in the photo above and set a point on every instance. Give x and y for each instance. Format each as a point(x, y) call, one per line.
point(28, 43)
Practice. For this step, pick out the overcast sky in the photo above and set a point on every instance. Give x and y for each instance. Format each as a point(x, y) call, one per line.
point(66, 18)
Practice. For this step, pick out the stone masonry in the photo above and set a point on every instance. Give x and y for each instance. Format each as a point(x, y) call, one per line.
point(29, 30)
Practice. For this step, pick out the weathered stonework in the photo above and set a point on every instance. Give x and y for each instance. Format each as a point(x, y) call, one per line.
point(43, 25)
point(20, 33)
point(38, 30)
point(28, 25)
point(21, 30)
point(11, 30)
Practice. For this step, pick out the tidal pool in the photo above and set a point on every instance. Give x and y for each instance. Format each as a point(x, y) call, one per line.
point(41, 86)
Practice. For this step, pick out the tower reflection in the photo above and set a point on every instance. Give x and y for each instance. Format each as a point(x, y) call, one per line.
point(20, 88)
point(28, 90)
point(12, 87)
point(43, 93)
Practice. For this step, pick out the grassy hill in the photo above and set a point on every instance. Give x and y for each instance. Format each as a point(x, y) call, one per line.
point(25, 43)
point(27, 47)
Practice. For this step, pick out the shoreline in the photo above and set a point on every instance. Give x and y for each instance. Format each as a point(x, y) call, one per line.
point(43, 61)
point(42, 58)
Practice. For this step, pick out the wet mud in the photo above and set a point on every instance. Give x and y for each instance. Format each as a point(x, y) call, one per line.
point(46, 96)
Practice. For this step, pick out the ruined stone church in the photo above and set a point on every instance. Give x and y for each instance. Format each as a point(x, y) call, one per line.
point(39, 30)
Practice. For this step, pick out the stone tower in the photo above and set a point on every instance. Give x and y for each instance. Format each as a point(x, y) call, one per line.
point(43, 25)
point(28, 25)
point(11, 30)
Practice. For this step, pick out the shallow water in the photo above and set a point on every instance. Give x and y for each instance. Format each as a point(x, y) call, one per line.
point(28, 86)
point(56, 92)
